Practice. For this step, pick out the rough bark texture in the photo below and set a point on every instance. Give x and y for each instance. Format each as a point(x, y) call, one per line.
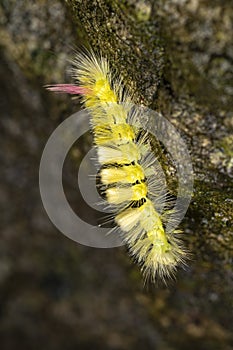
point(176, 57)
point(132, 47)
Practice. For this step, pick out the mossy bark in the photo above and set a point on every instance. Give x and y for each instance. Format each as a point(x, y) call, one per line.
point(154, 56)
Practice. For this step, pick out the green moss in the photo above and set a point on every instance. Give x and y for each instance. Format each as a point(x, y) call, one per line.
point(227, 144)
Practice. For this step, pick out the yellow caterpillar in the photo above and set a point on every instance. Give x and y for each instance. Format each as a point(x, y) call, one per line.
point(127, 167)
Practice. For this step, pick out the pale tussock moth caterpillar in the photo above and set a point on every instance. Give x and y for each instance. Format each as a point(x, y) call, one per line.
point(128, 167)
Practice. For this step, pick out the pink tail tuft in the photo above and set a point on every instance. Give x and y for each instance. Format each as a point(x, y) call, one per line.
point(68, 88)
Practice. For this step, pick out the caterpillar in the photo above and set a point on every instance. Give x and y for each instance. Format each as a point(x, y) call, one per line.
point(127, 167)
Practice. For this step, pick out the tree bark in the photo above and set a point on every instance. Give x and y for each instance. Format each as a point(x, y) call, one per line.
point(171, 62)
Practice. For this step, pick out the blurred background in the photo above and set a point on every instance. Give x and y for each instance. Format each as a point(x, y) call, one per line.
point(55, 293)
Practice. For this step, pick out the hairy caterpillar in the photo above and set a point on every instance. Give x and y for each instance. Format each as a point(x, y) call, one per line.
point(128, 167)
